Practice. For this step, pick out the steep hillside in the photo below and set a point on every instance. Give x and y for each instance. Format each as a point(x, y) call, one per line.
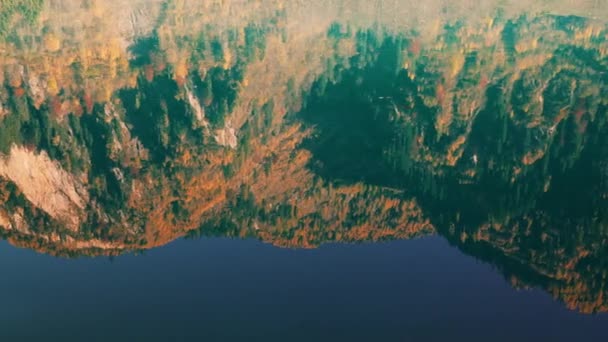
point(302, 123)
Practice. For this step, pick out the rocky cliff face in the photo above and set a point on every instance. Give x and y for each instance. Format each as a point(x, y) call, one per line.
point(365, 121)
point(46, 185)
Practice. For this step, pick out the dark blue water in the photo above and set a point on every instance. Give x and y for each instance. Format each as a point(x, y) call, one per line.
point(243, 290)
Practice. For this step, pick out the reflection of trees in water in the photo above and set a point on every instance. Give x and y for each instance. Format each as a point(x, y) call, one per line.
point(502, 145)
point(527, 188)
point(12, 10)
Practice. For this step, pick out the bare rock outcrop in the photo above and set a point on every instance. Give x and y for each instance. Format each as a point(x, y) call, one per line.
point(5, 221)
point(46, 185)
point(227, 137)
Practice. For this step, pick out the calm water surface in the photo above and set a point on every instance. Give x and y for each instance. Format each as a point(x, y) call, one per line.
point(222, 289)
point(323, 170)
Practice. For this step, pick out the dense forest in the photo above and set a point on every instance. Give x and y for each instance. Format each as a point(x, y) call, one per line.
point(249, 123)
point(12, 11)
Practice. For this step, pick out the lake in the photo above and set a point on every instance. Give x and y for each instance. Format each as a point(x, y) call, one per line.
point(324, 170)
point(221, 289)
